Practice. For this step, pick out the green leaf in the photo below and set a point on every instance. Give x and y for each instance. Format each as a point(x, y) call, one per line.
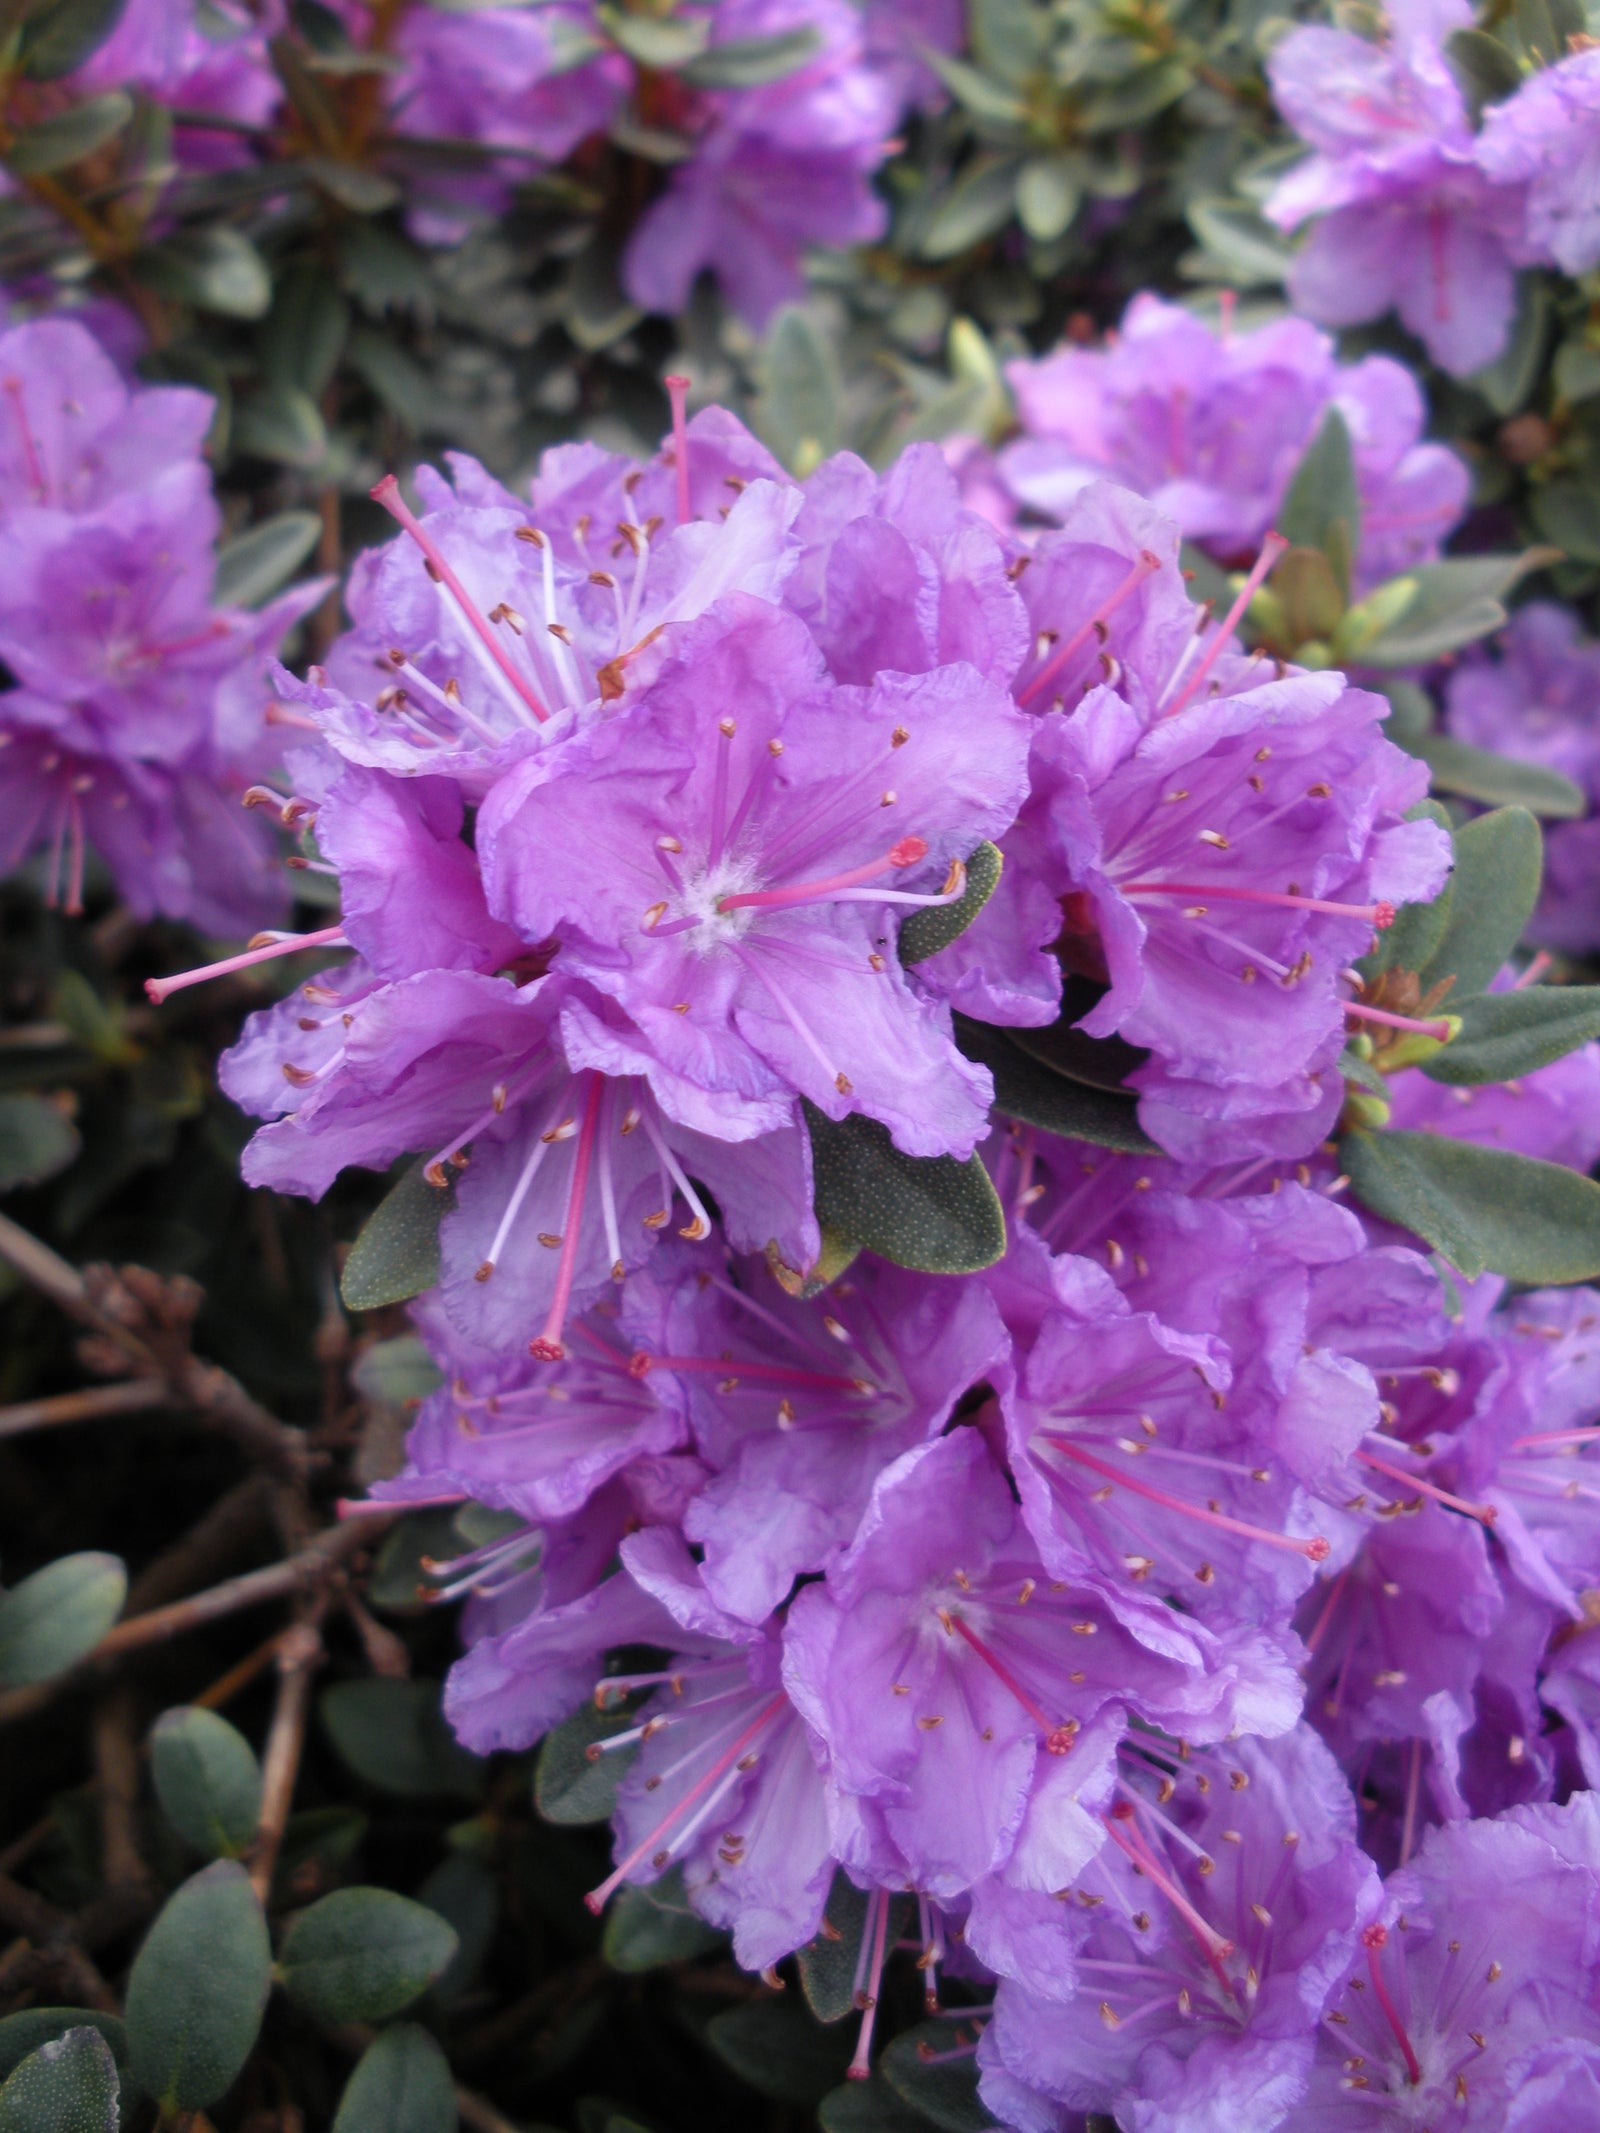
point(61, 36)
point(570, 1786)
point(360, 1955)
point(352, 185)
point(924, 933)
point(214, 269)
point(303, 336)
point(397, 1255)
point(1499, 780)
point(402, 2084)
point(403, 386)
point(651, 41)
point(1567, 513)
point(1484, 1209)
point(261, 562)
point(57, 143)
point(828, 1963)
point(198, 1990)
point(1507, 1034)
point(1038, 1095)
point(1049, 189)
point(23, 2033)
point(1494, 886)
point(397, 1371)
point(1576, 371)
point(869, 2106)
point(1102, 1062)
point(1322, 509)
point(945, 2093)
point(1137, 96)
point(37, 1139)
point(779, 2050)
point(393, 1736)
point(69, 2086)
point(977, 205)
point(976, 91)
point(1307, 586)
point(648, 1927)
point(1485, 69)
point(207, 1780)
point(798, 411)
point(932, 1213)
point(1452, 604)
point(52, 1619)
point(751, 62)
point(1245, 247)
point(283, 424)
point(1508, 382)
point(466, 1895)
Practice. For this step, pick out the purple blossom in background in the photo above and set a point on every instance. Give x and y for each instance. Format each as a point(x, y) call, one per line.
point(774, 168)
point(1537, 698)
point(215, 67)
point(1547, 137)
point(1210, 425)
point(1408, 219)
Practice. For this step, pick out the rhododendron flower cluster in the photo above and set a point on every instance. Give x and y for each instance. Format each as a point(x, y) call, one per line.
point(1172, 1606)
point(134, 722)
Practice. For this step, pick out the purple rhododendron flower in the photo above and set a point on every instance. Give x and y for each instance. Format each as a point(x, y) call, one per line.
point(1547, 137)
point(1408, 218)
point(1210, 426)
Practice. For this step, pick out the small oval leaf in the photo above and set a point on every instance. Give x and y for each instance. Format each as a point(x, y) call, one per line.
point(1486, 1210)
point(1494, 885)
point(930, 1213)
point(69, 2086)
point(571, 1786)
point(198, 1990)
point(52, 1619)
point(36, 1140)
point(401, 2085)
point(207, 1780)
point(926, 932)
point(360, 1955)
point(23, 2033)
point(57, 143)
point(261, 562)
point(1505, 1034)
point(397, 1255)
point(1499, 780)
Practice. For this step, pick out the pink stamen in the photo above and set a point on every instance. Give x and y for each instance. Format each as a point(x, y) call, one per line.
point(1534, 972)
point(73, 906)
point(904, 854)
point(597, 1899)
point(642, 1363)
point(173, 645)
point(1540, 1437)
point(1484, 1513)
point(1146, 565)
point(157, 989)
point(387, 493)
point(1271, 548)
point(1335, 1594)
point(32, 464)
point(548, 1346)
point(678, 394)
point(1314, 1548)
point(860, 2067)
point(1057, 1739)
point(1363, 1013)
point(1374, 1938)
point(1380, 914)
point(1130, 1839)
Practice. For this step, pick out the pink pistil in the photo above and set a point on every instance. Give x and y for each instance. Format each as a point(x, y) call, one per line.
point(388, 494)
point(678, 394)
point(1146, 565)
point(548, 1346)
point(1130, 1839)
point(904, 854)
point(597, 1899)
point(642, 1363)
point(32, 465)
point(1380, 914)
point(1057, 1739)
point(1271, 548)
point(157, 989)
point(1314, 1548)
point(1363, 1013)
point(1373, 1939)
point(1484, 1513)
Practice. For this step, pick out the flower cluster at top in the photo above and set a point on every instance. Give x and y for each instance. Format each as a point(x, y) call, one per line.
point(1211, 424)
point(134, 720)
point(1178, 1628)
point(1415, 209)
point(770, 115)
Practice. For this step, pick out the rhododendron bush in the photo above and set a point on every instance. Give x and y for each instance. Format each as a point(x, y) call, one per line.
point(800, 1066)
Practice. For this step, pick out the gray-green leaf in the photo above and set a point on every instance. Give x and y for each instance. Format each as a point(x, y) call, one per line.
point(393, 1736)
point(1494, 886)
point(360, 1955)
point(281, 423)
point(198, 1990)
point(1322, 509)
point(570, 1786)
point(397, 1255)
point(261, 562)
point(23, 2033)
point(647, 1927)
point(215, 269)
point(931, 1213)
point(401, 2085)
point(976, 205)
point(56, 143)
point(1452, 604)
point(943, 2089)
point(69, 2086)
point(207, 1780)
point(1484, 1209)
point(1506, 1034)
point(751, 62)
point(1499, 780)
point(924, 933)
point(58, 38)
point(36, 1140)
point(52, 1619)
point(1026, 1089)
point(779, 2050)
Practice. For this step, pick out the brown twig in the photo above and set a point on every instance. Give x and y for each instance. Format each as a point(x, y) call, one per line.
point(92, 1403)
point(299, 1656)
point(115, 1739)
point(52, 1934)
point(294, 1574)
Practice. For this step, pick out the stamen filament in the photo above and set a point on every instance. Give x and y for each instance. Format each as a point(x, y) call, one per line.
point(1379, 914)
point(643, 1362)
point(678, 394)
point(1057, 1739)
point(1373, 1939)
point(1141, 570)
point(1271, 548)
point(1314, 1548)
point(157, 989)
point(1484, 1513)
point(904, 854)
point(548, 1346)
point(1441, 1029)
